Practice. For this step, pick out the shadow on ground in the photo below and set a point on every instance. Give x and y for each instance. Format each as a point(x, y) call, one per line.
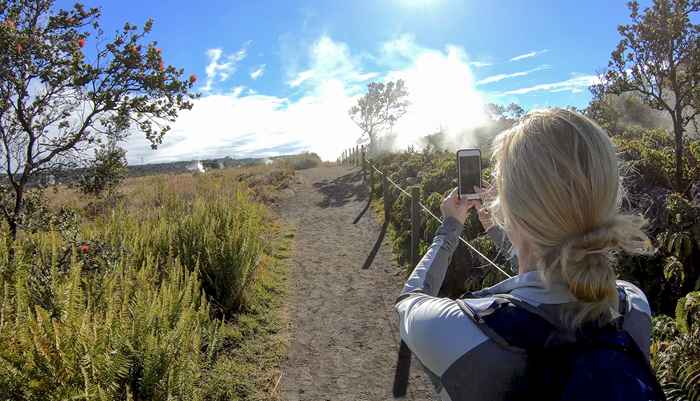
point(340, 191)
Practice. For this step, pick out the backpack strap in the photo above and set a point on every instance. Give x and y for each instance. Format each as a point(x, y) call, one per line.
point(520, 327)
point(535, 329)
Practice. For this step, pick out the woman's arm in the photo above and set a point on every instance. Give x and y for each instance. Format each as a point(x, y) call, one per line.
point(428, 275)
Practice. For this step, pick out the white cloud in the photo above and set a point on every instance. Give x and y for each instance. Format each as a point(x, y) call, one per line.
point(332, 61)
point(574, 85)
point(219, 70)
point(529, 55)
point(238, 90)
point(479, 64)
point(442, 95)
point(500, 77)
point(243, 123)
point(258, 72)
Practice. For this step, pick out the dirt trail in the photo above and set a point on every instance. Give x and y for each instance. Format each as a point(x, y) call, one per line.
point(343, 330)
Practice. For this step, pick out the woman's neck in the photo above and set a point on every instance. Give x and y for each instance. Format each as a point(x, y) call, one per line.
point(525, 261)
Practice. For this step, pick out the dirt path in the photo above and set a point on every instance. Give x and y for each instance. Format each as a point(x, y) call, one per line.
point(343, 330)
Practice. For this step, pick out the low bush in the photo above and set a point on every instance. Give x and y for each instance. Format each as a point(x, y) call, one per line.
point(138, 303)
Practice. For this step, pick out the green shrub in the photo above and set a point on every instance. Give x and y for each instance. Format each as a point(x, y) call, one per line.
point(146, 336)
point(126, 308)
point(675, 350)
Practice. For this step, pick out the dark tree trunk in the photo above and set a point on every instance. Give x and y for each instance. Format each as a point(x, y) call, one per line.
point(678, 136)
point(13, 220)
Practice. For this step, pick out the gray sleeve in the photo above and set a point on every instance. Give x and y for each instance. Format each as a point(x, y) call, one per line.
point(435, 329)
point(428, 275)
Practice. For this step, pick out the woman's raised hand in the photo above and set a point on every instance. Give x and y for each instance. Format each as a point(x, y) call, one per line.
point(487, 195)
point(453, 206)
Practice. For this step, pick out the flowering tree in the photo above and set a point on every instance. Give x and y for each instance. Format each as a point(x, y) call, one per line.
point(65, 88)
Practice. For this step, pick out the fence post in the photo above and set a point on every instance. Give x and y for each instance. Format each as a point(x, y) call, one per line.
point(364, 166)
point(386, 193)
point(415, 224)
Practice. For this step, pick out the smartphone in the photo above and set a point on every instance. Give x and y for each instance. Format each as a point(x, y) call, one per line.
point(469, 172)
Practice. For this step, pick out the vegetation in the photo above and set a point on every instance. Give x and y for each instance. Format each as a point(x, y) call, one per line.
point(57, 100)
point(299, 162)
point(379, 109)
point(657, 60)
point(105, 173)
point(174, 293)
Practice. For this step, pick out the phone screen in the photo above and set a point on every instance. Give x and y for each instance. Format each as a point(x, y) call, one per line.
point(469, 173)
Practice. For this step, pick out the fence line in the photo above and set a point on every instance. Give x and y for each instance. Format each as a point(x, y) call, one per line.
point(356, 157)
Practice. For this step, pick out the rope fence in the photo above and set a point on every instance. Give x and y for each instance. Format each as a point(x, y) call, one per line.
point(356, 157)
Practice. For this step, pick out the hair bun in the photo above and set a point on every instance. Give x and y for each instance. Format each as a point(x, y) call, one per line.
point(585, 263)
point(585, 259)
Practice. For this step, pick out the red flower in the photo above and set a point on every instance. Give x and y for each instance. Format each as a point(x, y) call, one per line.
point(193, 79)
point(81, 42)
point(84, 247)
point(161, 66)
point(19, 48)
point(10, 23)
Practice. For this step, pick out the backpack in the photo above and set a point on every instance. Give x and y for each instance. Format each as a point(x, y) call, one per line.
point(594, 364)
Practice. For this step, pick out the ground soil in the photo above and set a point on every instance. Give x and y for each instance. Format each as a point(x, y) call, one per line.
point(343, 334)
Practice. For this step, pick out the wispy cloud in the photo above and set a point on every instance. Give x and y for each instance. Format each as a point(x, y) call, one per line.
point(574, 85)
point(529, 55)
point(332, 61)
point(479, 64)
point(258, 72)
point(501, 77)
point(221, 66)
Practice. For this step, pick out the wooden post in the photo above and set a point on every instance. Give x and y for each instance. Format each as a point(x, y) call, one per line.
point(371, 182)
point(364, 167)
point(403, 365)
point(386, 193)
point(415, 224)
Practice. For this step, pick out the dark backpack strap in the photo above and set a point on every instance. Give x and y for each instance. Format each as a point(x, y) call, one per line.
point(520, 327)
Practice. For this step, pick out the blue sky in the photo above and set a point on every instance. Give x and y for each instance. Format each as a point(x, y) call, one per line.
point(279, 77)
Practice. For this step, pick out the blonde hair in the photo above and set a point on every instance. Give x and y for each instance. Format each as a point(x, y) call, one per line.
point(558, 185)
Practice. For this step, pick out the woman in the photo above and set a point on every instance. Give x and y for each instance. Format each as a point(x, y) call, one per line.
point(557, 199)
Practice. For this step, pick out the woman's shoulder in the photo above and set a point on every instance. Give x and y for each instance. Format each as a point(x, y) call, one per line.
point(438, 330)
point(636, 299)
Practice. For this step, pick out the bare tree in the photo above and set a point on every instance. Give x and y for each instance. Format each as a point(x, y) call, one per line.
point(379, 109)
point(58, 101)
point(658, 58)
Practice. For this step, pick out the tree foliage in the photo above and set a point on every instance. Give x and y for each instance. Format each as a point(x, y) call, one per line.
point(658, 58)
point(379, 109)
point(65, 86)
point(105, 172)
